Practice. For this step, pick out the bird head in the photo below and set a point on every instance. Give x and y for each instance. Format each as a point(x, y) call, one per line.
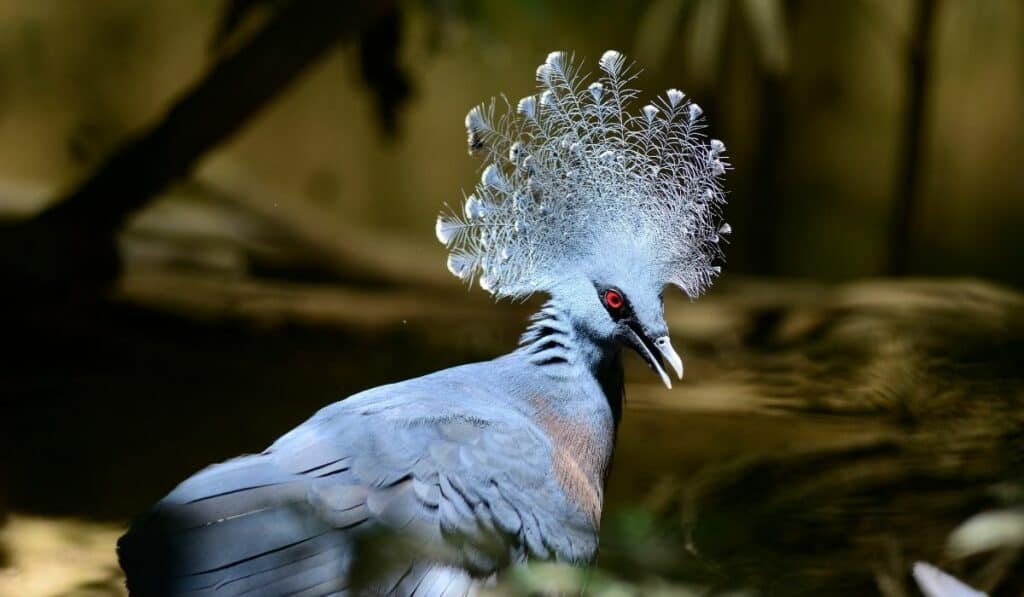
point(594, 203)
point(616, 302)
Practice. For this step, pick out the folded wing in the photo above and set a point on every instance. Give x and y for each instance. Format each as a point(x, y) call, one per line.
point(400, 494)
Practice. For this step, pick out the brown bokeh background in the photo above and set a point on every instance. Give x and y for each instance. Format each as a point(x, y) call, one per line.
point(811, 195)
point(216, 216)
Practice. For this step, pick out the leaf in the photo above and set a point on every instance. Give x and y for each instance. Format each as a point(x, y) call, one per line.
point(936, 583)
point(987, 531)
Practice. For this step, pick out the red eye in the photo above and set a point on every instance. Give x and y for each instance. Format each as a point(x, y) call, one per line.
point(614, 300)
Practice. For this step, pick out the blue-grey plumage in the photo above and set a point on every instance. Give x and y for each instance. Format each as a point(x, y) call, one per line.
point(434, 485)
point(459, 473)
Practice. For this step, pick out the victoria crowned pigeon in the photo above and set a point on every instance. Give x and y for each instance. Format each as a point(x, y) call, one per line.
point(434, 485)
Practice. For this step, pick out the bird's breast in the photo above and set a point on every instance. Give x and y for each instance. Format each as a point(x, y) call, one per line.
point(581, 453)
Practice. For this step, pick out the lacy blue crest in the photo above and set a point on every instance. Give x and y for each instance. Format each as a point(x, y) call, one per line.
point(574, 174)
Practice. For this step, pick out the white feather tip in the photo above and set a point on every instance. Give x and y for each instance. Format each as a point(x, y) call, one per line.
point(460, 266)
point(446, 230)
point(527, 106)
point(556, 60)
point(544, 74)
point(488, 283)
point(515, 151)
point(611, 62)
point(650, 112)
point(475, 127)
point(474, 208)
point(493, 178)
point(475, 120)
point(675, 97)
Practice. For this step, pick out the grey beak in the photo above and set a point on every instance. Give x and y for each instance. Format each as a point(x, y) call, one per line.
point(665, 346)
point(643, 347)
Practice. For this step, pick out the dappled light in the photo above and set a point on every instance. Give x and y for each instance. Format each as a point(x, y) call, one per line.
point(218, 217)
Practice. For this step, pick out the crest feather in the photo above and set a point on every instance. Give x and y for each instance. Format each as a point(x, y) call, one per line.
point(574, 166)
point(611, 62)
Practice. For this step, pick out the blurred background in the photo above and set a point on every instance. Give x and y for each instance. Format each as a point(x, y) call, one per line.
point(217, 216)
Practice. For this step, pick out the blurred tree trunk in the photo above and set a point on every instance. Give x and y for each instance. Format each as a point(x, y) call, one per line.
point(769, 21)
point(71, 244)
point(766, 188)
point(906, 194)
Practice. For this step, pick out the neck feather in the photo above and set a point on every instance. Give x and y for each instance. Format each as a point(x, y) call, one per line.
point(564, 350)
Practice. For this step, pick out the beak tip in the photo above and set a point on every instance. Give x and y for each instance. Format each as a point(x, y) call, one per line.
point(665, 346)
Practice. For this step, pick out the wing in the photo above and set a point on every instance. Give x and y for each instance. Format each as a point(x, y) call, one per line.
point(395, 492)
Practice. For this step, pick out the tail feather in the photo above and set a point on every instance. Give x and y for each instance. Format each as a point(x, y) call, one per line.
point(324, 578)
point(235, 541)
point(170, 517)
point(247, 527)
point(327, 563)
point(234, 527)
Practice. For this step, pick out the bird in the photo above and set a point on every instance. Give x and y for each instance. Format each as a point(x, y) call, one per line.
point(435, 486)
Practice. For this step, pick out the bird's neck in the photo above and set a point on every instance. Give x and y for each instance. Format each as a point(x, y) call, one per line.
point(581, 416)
point(563, 350)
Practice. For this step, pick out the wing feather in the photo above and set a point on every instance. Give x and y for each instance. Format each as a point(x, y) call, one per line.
point(455, 480)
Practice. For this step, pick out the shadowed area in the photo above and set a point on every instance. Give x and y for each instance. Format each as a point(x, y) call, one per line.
point(824, 437)
point(217, 216)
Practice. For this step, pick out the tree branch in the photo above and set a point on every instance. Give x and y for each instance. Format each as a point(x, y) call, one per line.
point(73, 239)
point(908, 175)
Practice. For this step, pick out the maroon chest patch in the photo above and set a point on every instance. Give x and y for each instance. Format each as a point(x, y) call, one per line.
point(579, 458)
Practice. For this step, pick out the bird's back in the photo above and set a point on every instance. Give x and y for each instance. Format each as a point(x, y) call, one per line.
point(425, 487)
